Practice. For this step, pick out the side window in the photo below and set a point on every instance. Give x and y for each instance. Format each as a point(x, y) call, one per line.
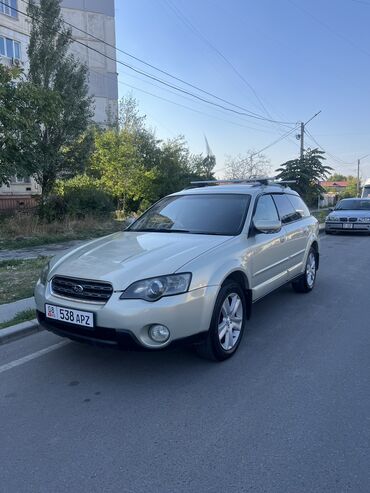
point(299, 206)
point(266, 210)
point(286, 210)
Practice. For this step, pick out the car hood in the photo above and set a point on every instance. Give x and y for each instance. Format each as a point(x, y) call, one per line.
point(122, 258)
point(350, 213)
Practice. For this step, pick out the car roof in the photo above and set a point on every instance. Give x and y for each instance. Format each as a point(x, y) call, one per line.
point(250, 189)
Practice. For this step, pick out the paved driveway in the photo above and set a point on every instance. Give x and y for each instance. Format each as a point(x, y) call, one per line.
point(289, 413)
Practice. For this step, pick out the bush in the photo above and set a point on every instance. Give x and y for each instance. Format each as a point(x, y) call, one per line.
point(81, 196)
point(87, 200)
point(55, 209)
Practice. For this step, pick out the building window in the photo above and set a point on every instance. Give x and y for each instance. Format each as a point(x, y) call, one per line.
point(8, 7)
point(10, 48)
point(20, 179)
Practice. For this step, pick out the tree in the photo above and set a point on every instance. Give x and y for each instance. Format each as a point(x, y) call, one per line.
point(307, 172)
point(61, 105)
point(135, 167)
point(337, 177)
point(247, 166)
point(10, 121)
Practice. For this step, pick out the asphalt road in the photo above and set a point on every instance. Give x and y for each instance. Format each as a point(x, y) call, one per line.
point(289, 413)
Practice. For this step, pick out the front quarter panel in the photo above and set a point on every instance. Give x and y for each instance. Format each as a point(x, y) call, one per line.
point(212, 268)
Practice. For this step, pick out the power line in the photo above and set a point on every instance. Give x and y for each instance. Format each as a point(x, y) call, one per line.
point(329, 28)
point(332, 156)
point(244, 112)
point(187, 22)
point(170, 101)
point(282, 137)
point(177, 11)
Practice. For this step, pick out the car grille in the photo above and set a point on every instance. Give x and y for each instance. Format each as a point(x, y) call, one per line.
point(346, 219)
point(82, 289)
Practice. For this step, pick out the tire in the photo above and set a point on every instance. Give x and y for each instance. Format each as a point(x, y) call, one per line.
point(306, 282)
point(227, 327)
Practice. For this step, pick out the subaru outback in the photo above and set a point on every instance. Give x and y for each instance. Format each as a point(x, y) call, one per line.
point(189, 269)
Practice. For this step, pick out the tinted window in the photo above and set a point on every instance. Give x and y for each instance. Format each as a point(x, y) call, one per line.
point(286, 210)
point(266, 210)
point(299, 206)
point(220, 214)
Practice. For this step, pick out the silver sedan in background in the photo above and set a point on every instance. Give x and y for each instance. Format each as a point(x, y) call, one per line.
point(352, 215)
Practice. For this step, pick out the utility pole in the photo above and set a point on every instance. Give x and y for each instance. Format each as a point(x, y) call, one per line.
point(302, 140)
point(301, 136)
point(358, 177)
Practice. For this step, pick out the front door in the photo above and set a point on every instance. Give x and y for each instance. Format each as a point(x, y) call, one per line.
point(268, 251)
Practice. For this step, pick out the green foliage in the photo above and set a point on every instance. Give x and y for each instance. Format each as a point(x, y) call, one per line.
point(351, 189)
point(307, 172)
point(134, 167)
point(15, 121)
point(78, 197)
point(337, 177)
point(59, 106)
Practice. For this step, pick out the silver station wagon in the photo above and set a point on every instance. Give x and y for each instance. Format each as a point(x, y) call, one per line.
point(188, 270)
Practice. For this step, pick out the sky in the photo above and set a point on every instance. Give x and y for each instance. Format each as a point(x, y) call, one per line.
point(281, 59)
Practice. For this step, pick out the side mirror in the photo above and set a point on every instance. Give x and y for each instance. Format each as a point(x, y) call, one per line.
point(331, 209)
point(264, 226)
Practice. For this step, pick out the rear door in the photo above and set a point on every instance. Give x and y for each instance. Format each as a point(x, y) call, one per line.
point(268, 251)
point(294, 216)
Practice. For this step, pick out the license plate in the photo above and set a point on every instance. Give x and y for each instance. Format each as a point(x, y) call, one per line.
point(69, 315)
point(347, 226)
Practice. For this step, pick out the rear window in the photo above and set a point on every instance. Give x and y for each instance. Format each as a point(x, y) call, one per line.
point(213, 214)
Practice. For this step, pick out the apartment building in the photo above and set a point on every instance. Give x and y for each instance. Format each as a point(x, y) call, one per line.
point(88, 16)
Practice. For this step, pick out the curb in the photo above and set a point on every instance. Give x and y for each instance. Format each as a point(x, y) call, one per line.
point(18, 331)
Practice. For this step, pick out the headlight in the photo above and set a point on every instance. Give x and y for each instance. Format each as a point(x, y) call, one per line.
point(332, 218)
point(44, 273)
point(363, 219)
point(155, 288)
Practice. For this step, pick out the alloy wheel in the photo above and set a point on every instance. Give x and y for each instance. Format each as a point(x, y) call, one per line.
point(230, 321)
point(311, 269)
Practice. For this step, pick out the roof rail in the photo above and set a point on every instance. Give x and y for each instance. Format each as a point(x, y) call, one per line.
point(253, 181)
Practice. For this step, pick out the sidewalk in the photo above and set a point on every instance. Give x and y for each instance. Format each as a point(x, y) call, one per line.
point(10, 310)
point(39, 251)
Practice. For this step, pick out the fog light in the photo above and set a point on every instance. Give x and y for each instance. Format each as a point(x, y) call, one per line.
point(159, 333)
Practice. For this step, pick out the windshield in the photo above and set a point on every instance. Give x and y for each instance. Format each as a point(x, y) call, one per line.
point(213, 214)
point(353, 205)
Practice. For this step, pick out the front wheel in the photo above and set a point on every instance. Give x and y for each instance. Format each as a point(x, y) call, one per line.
point(306, 282)
point(227, 324)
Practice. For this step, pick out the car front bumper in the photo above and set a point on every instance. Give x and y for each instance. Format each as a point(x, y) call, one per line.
point(125, 323)
point(354, 227)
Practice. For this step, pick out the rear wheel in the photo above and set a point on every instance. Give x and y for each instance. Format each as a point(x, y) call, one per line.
point(306, 282)
point(227, 324)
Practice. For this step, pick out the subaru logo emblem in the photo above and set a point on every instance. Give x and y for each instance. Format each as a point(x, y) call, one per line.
point(77, 288)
